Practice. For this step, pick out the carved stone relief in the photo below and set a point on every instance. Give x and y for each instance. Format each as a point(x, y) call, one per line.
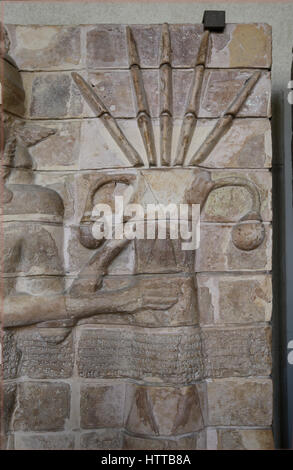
point(148, 335)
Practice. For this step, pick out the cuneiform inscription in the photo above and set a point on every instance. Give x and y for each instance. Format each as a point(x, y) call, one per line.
point(161, 354)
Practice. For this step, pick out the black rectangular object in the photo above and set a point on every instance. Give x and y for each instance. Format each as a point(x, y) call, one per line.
point(214, 20)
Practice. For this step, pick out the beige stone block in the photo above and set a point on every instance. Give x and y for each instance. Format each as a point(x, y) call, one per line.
point(220, 87)
point(247, 144)
point(183, 312)
point(99, 150)
point(218, 253)
point(115, 89)
point(52, 96)
point(46, 353)
point(42, 406)
point(45, 441)
point(33, 249)
point(241, 45)
point(34, 285)
point(230, 352)
point(106, 46)
point(245, 439)
point(235, 299)
point(103, 439)
point(158, 356)
point(185, 42)
point(31, 202)
point(101, 406)
point(231, 203)
point(41, 47)
point(9, 402)
point(61, 150)
point(163, 410)
point(55, 95)
point(239, 402)
point(63, 183)
point(190, 442)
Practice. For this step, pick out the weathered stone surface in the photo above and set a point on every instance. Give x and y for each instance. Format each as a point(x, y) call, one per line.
point(45, 47)
point(231, 203)
point(191, 442)
point(46, 441)
point(161, 355)
point(9, 392)
point(218, 253)
point(172, 346)
point(42, 406)
point(45, 357)
point(220, 87)
point(33, 202)
point(234, 299)
point(183, 312)
point(62, 150)
point(104, 439)
point(247, 144)
point(163, 410)
point(33, 248)
point(242, 45)
point(12, 88)
point(52, 95)
point(11, 355)
point(102, 406)
point(239, 402)
point(115, 90)
point(106, 46)
point(87, 144)
point(238, 46)
point(55, 95)
point(229, 352)
point(240, 439)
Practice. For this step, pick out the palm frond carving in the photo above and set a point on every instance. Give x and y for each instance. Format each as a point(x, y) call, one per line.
point(143, 116)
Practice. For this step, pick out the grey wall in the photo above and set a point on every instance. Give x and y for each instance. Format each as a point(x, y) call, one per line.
point(280, 17)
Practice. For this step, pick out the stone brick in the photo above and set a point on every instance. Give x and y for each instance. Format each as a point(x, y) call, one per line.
point(231, 203)
point(245, 439)
point(61, 150)
point(218, 253)
point(163, 410)
point(33, 248)
point(45, 357)
point(247, 144)
point(115, 90)
point(45, 441)
point(242, 45)
point(235, 299)
point(9, 392)
point(55, 96)
point(45, 47)
point(161, 355)
point(239, 402)
point(52, 96)
point(104, 439)
point(237, 352)
point(238, 46)
point(101, 406)
point(191, 442)
point(219, 89)
point(106, 46)
point(42, 406)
